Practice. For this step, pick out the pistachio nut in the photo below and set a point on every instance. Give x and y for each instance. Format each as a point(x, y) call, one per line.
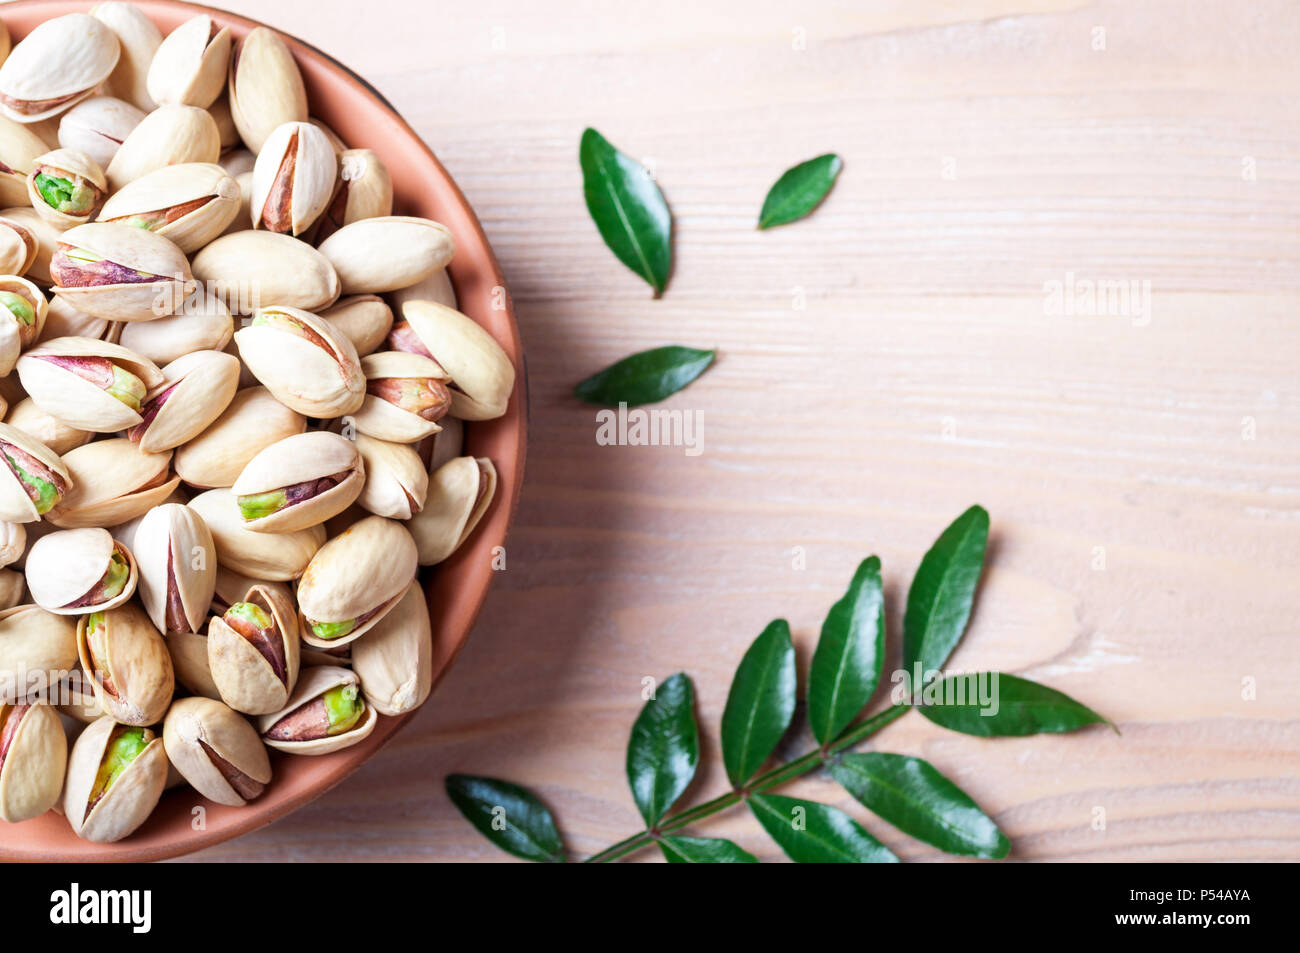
point(336, 141)
point(241, 222)
point(78, 699)
point(395, 660)
point(17, 247)
point(13, 588)
point(230, 141)
point(56, 65)
point(88, 384)
point(19, 148)
point(365, 320)
point(97, 126)
point(231, 588)
point(293, 178)
point(364, 190)
point(22, 317)
point(33, 479)
point(203, 323)
point(169, 135)
point(177, 561)
point(114, 271)
point(46, 235)
point(460, 492)
point(218, 751)
point(266, 89)
point(139, 39)
point(299, 482)
point(58, 437)
point(67, 187)
point(116, 774)
point(253, 650)
point(278, 557)
point(189, 204)
point(253, 421)
point(62, 320)
point(127, 662)
point(436, 288)
point(37, 650)
point(307, 363)
point(195, 389)
point(387, 253)
point(189, 68)
point(33, 755)
point(445, 445)
point(326, 712)
point(396, 478)
point(482, 376)
point(406, 396)
point(75, 571)
point(189, 652)
point(112, 482)
point(13, 542)
point(354, 580)
point(236, 162)
point(247, 268)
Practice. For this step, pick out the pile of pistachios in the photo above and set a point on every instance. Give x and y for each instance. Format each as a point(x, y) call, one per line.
point(233, 386)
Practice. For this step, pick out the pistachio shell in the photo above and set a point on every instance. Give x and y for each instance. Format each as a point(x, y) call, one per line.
point(236, 162)
point(169, 192)
point(13, 541)
point(137, 666)
point(19, 147)
point(460, 492)
point(18, 247)
point(56, 65)
point(364, 190)
point(31, 771)
point(336, 141)
point(396, 479)
point(13, 587)
point(133, 249)
point(248, 268)
point(58, 437)
point(139, 39)
point(77, 697)
point(275, 556)
point(446, 443)
point(169, 135)
point(175, 553)
point(65, 566)
point(196, 388)
point(14, 335)
point(303, 459)
point(46, 235)
point(203, 323)
point(231, 588)
point(365, 320)
point(316, 681)
point(253, 421)
point(71, 398)
point(293, 178)
point(128, 802)
point(385, 420)
point(395, 659)
point(62, 320)
point(16, 504)
point(112, 482)
point(98, 126)
point(189, 652)
point(315, 372)
point(436, 288)
point(37, 650)
point(190, 66)
point(483, 374)
point(387, 253)
point(196, 730)
point(242, 674)
point(76, 167)
point(266, 89)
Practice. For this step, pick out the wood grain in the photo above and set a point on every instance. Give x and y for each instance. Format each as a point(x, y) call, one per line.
point(884, 364)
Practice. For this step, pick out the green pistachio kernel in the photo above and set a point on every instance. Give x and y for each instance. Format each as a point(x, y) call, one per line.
point(254, 506)
point(19, 307)
point(116, 577)
point(124, 748)
point(254, 615)
point(56, 190)
point(94, 621)
point(80, 254)
point(343, 708)
point(46, 493)
point(332, 630)
point(127, 388)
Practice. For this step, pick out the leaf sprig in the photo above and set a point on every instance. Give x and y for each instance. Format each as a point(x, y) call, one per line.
point(907, 792)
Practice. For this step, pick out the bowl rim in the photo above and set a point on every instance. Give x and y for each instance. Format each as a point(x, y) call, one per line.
point(257, 816)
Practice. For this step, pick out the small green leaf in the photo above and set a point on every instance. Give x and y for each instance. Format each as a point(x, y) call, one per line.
point(799, 190)
point(664, 749)
point(995, 705)
point(507, 815)
point(645, 377)
point(703, 850)
point(628, 209)
point(812, 833)
point(850, 655)
point(760, 703)
point(917, 799)
point(939, 602)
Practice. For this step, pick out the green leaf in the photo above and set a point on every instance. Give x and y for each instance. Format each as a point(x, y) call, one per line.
point(939, 602)
point(703, 850)
point(850, 655)
point(760, 703)
point(507, 815)
point(645, 377)
point(812, 833)
point(917, 799)
point(1011, 706)
point(664, 749)
point(628, 209)
point(799, 190)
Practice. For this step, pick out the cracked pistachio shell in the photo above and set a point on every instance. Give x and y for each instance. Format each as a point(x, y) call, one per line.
point(112, 482)
point(62, 320)
point(36, 423)
point(129, 800)
point(13, 542)
point(396, 479)
point(18, 247)
point(189, 204)
point(336, 141)
point(315, 682)
point(395, 659)
point(32, 763)
point(65, 567)
point(385, 420)
point(387, 253)
point(16, 504)
point(203, 323)
point(307, 363)
point(481, 370)
point(56, 65)
point(13, 588)
point(130, 668)
point(46, 235)
point(299, 461)
point(79, 701)
point(293, 178)
point(364, 190)
point(169, 135)
point(76, 167)
point(37, 650)
point(231, 587)
point(460, 491)
point(365, 320)
point(19, 148)
point(199, 731)
point(97, 126)
point(266, 89)
point(277, 557)
point(177, 561)
point(189, 652)
point(436, 288)
point(139, 39)
point(89, 286)
point(253, 421)
point(196, 388)
point(242, 674)
point(189, 68)
point(241, 222)
point(15, 334)
point(363, 570)
point(72, 399)
point(230, 141)
point(248, 268)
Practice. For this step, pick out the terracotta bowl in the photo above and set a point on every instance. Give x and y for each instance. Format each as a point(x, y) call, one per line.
point(455, 591)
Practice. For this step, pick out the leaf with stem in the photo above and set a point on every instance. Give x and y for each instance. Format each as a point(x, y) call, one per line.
point(703, 850)
point(943, 590)
point(663, 749)
point(812, 833)
point(850, 655)
point(997, 705)
point(509, 816)
point(645, 377)
point(760, 703)
point(799, 190)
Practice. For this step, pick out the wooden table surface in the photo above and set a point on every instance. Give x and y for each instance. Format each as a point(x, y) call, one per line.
point(883, 365)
